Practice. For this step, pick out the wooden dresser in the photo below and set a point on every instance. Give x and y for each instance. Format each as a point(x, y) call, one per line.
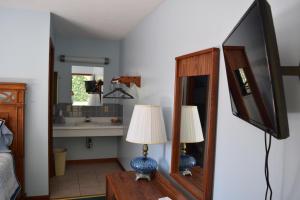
point(122, 186)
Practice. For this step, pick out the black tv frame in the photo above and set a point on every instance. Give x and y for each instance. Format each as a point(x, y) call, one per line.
point(274, 68)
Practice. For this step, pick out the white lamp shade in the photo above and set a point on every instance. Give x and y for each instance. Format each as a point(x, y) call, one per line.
point(147, 125)
point(190, 126)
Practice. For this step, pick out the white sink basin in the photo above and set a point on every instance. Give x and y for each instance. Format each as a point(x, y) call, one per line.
point(77, 127)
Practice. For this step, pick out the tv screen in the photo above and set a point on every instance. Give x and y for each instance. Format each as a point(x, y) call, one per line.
point(253, 72)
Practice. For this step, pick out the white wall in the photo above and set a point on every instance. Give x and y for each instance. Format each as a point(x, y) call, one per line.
point(24, 55)
point(178, 27)
point(84, 48)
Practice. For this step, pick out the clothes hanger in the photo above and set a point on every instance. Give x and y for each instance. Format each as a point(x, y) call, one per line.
point(116, 82)
point(121, 90)
point(124, 94)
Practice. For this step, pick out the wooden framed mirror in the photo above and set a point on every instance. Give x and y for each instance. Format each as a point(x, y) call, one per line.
point(194, 121)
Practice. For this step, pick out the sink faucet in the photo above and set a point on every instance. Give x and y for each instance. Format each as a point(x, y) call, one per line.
point(87, 119)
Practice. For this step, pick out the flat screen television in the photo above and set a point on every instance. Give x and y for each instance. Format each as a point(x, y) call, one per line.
point(253, 72)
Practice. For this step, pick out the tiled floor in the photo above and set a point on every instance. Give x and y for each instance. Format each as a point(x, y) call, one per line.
point(82, 180)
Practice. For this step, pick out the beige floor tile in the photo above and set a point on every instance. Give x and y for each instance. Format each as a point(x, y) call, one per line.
point(82, 180)
point(91, 191)
point(105, 173)
point(70, 172)
point(67, 179)
point(66, 194)
point(68, 186)
point(108, 168)
point(101, 178)
point(53, 181)
point(89, 182)
point(65, 190)
point(54, 190)
point(94, 166)
point(85, 176)
point(82, 168)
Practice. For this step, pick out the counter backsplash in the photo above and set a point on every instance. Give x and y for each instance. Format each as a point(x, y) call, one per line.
point(107, 110)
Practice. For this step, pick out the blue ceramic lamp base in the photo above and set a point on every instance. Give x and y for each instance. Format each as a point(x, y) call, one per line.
point(186, 164)
point(144, 166)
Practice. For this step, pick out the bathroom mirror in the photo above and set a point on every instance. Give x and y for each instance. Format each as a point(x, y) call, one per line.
point(194, 121)
point(87, 85)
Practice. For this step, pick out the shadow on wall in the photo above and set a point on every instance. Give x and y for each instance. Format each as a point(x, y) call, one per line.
point(163, 165)
point(167, 107)
point(287, 26)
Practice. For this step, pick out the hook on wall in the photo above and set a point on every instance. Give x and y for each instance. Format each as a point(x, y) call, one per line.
point(126, 80)
point(291, 70)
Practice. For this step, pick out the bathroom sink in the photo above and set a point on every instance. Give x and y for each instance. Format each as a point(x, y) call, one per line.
point(77, 127)
point(92, 124)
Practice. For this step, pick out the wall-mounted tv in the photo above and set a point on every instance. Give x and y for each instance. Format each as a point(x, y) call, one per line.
point(253, 72)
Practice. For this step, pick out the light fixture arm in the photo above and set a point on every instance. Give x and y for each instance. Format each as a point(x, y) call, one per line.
point(290, 70)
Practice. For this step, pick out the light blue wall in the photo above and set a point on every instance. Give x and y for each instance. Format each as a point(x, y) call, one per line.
point(24, 57)
point(287, 26)
point(103, 147)
point(84, 47)
point(178, 27)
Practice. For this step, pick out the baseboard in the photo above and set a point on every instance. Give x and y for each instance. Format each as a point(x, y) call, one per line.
point(45, 197)
point(120, 164)
point(99, 160)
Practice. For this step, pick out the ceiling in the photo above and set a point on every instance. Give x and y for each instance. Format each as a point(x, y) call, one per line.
point(101, 19)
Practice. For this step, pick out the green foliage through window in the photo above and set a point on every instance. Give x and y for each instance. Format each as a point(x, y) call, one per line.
point(78, 88)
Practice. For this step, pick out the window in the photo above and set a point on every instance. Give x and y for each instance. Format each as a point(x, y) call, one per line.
point(79, 95)
point(80, 74)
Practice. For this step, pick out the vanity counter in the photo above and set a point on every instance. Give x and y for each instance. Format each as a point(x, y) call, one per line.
point(79, 128)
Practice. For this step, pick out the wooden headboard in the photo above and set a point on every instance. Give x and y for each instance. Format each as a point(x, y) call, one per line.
point(12, 102)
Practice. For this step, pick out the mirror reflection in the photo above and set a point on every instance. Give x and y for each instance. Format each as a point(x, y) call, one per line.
point(87, 85)
point(193, 127)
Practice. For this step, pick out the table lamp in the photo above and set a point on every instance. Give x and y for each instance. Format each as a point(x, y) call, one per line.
point(146, 127)
point(190, 132)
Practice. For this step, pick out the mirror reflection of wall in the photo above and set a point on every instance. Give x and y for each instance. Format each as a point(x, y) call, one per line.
point(81, 74)
point(193, 124)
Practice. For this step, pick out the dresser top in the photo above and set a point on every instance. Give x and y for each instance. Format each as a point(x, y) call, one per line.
point(124, 187)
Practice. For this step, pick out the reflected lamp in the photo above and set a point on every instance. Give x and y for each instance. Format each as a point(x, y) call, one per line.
point(190, 132)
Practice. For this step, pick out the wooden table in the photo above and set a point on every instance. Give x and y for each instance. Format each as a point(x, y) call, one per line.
point(197, 177)
point(122, 186)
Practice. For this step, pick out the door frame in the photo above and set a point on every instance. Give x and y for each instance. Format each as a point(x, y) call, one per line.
point(50, 111)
